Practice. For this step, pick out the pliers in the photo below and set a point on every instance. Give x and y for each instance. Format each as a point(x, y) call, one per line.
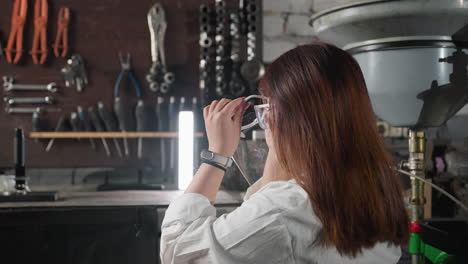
point(126, 69)
point(61, 39)
point(119, 109)
point(159, 78)
point(15, 39)
point(39, 46)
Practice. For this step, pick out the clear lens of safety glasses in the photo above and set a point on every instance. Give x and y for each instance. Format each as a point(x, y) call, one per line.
point(252, 119)
point(262, 112)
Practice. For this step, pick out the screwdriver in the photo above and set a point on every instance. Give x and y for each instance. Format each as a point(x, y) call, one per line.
point(97, 124)
point(162, 126)
point(86, 124)
point(172, 113)
point(196, 122)
point(74, 122)
point(60, 126)
point(140, 124)
point(119, 109)
point(110, 124)
point(36, 125)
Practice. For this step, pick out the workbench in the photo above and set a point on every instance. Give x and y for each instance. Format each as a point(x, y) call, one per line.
point(91, 227)
point(116, 199)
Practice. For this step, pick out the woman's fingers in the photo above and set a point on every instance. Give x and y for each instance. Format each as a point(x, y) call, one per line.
point(239, 111)
point(230, 108)
point(212, 107)
point(227, 106)
point(222, 103)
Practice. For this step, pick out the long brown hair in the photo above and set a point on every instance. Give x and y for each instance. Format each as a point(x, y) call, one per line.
point(326, 138)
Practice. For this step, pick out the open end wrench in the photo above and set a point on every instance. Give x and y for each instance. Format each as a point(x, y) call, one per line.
point(9, 85)
point(51, 87)
point(29, 100)
point(30, 110)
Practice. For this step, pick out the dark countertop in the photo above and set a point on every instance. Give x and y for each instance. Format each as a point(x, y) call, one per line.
point(119, 199)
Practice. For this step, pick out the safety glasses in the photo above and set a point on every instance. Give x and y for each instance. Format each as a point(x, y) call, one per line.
point(260, 115)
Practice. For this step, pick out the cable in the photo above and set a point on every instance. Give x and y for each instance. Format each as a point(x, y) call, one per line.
point(437, 188)
point(247, 179)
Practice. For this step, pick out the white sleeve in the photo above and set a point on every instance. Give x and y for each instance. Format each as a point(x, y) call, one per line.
point(253, 233)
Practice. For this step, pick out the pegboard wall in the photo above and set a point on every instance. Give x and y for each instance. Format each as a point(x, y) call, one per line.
point(99, 30)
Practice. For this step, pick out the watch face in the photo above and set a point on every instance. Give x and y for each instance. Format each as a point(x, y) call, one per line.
point(207, 155)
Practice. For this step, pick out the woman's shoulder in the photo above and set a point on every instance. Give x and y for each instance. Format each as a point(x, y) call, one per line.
point(284, 192)
point(286, 197)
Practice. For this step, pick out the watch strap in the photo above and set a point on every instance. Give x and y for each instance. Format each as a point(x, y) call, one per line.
point(207, 155)
point(216, 165)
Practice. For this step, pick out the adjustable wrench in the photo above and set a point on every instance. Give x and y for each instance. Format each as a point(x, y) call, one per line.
point(29, 100)
point(159, 78)
point(9, 85)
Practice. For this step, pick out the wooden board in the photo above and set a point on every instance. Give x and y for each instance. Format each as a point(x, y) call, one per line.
point(121, 198)
point(79, 135)
point(99, 30)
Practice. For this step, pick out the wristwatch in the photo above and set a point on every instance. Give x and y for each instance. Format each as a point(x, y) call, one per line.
point(209, 156)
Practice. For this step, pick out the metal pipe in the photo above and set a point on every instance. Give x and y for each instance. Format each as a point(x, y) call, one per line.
point(416, 165)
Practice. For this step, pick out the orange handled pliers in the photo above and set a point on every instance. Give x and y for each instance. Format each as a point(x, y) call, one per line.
point(15, 39)
point(39, 46)
point(61, 40)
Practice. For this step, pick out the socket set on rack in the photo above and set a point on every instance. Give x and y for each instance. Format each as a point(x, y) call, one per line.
point(207, 53)
point(230, 49)
point(252, 69)
point(222, 47)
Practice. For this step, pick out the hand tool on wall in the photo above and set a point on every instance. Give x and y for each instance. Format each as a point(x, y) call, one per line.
point(74, 72)
point(162, 117)
point(123, 120)
point(173, 112)
point(119, 108)
point(29, 100)
point(39, 46)
point(141, 124)
point(9, 85)
point(75, 123)
point(30, 110)
point(99, 127)
point(36, 124)
point(61, 39)
point(196, 109)
point(59, 127)
point(159, 79)
point(14, 49)
point(110, 124)
point(86, 124)
point(20, 164)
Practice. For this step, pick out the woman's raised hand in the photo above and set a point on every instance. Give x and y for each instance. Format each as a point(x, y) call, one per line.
point(223, 121)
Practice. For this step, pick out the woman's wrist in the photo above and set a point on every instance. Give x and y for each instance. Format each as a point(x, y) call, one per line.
point(216, 165)
point(221, 152)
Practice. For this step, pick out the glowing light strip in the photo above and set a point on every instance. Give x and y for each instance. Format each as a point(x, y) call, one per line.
point(186, 132)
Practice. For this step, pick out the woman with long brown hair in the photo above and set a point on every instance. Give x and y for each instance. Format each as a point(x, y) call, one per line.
point(329, 191)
